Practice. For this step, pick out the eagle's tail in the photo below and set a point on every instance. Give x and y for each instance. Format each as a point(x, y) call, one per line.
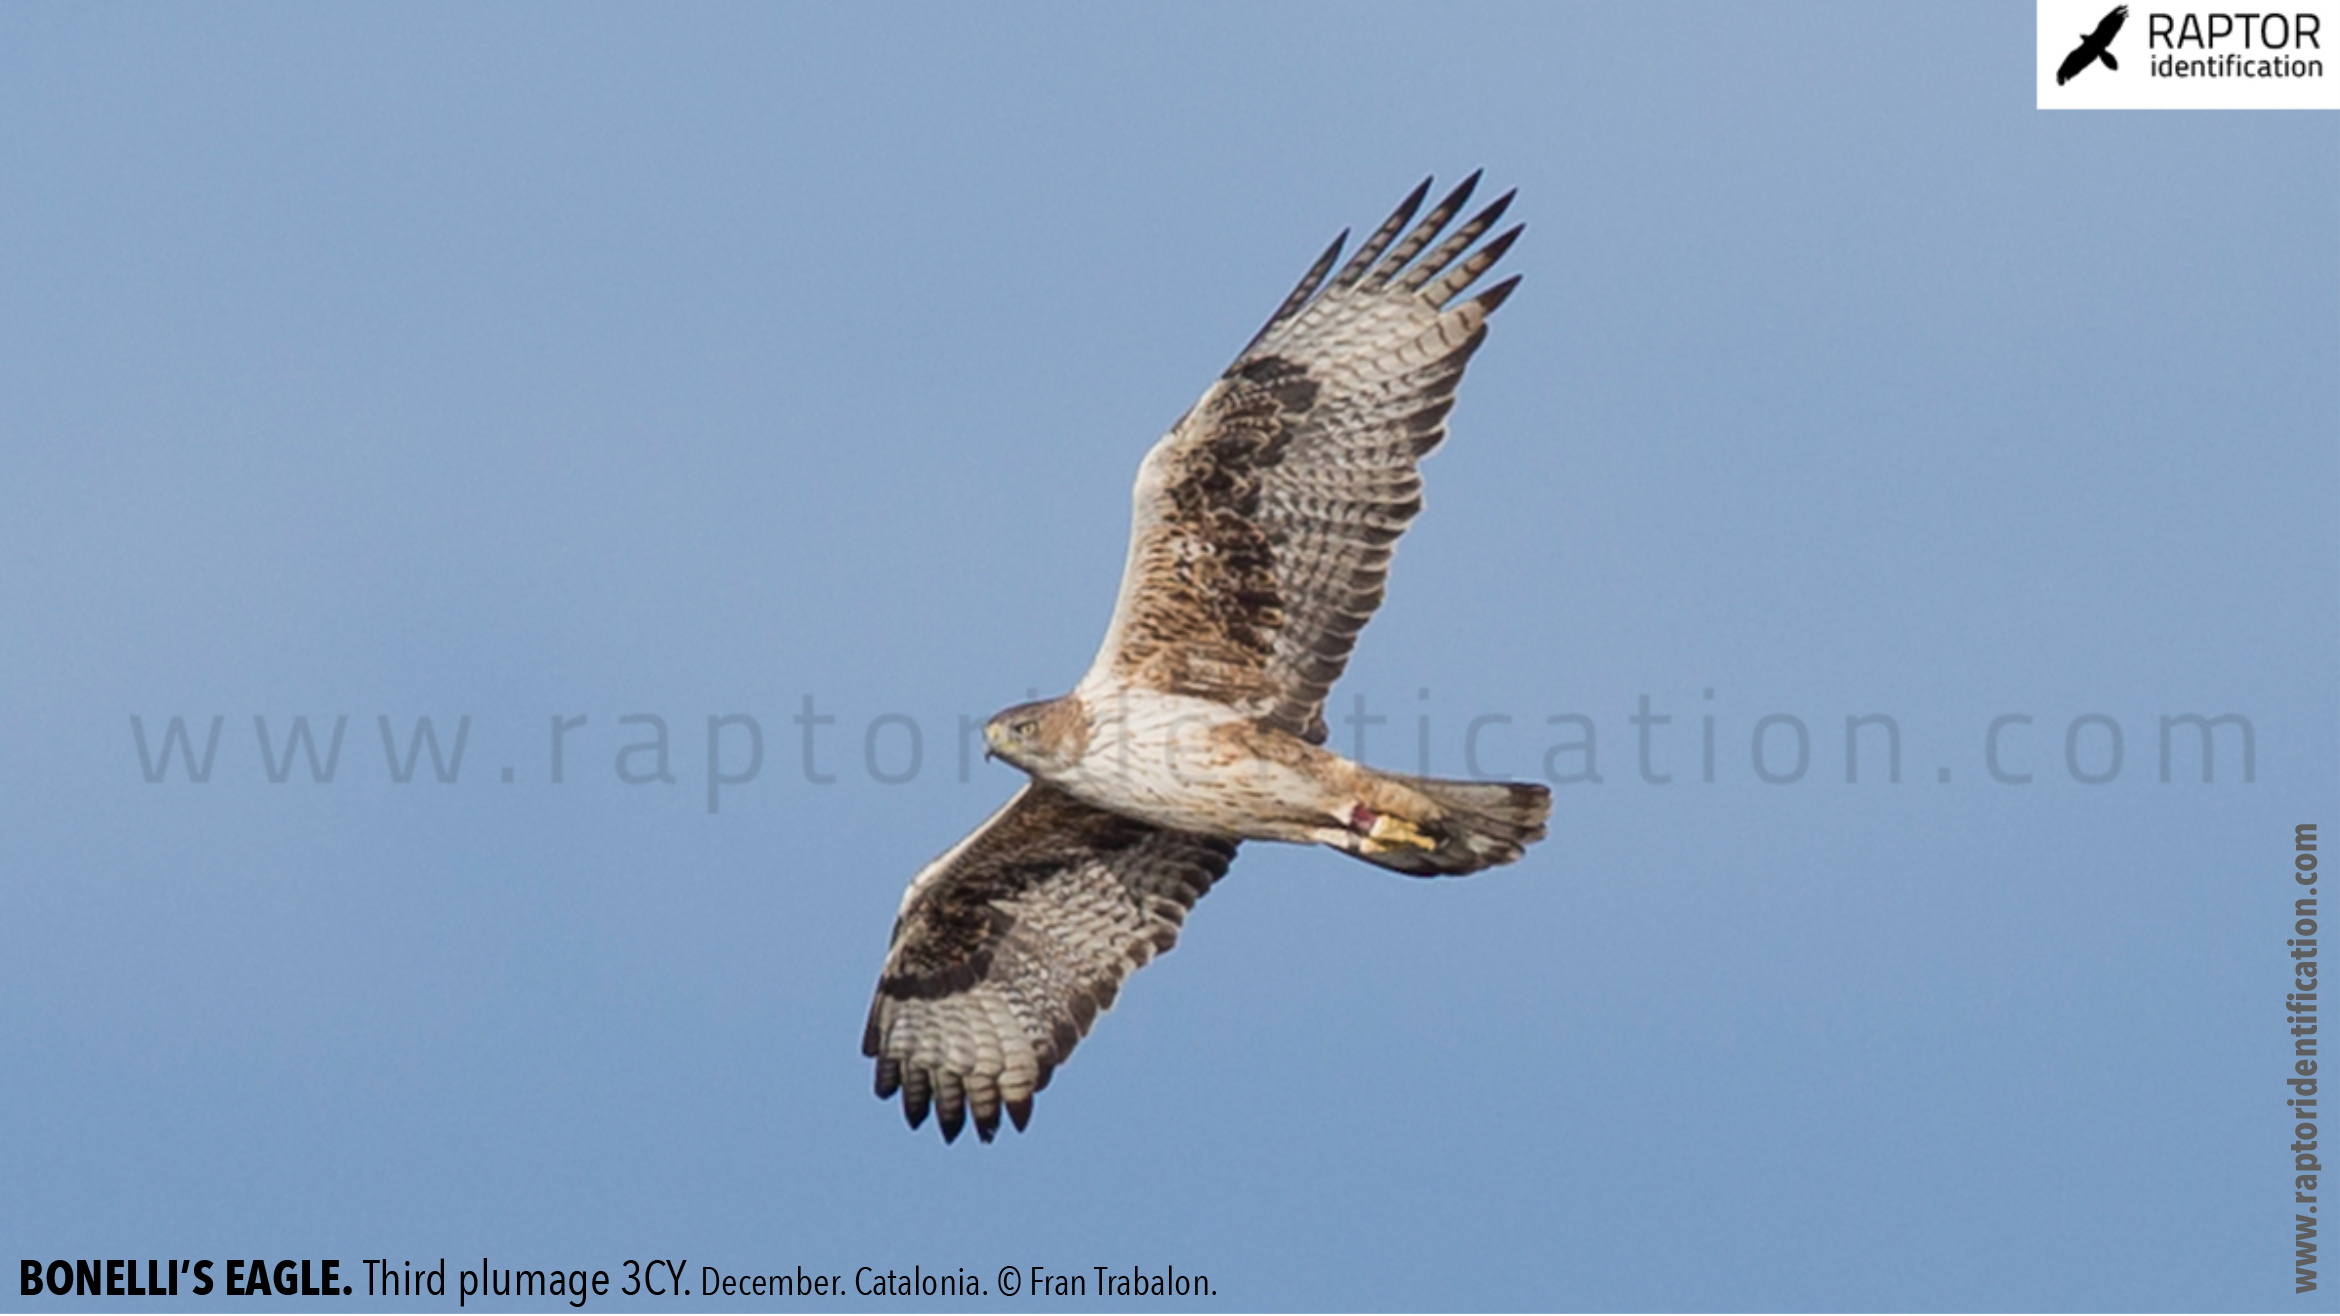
point(1472, 825)
point(2109, 61)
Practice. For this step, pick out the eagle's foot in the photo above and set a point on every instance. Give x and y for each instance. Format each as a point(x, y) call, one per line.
point(1386, 832)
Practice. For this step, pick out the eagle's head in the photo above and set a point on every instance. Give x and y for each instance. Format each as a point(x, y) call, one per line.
point(1043, 738)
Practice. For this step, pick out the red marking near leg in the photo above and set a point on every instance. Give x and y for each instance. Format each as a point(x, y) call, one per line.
point(1361, 819)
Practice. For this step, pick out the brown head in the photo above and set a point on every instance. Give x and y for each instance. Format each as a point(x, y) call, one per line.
point(1042, 738)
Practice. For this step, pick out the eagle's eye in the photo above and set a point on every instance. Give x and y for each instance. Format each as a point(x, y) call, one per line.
point(1027, 729)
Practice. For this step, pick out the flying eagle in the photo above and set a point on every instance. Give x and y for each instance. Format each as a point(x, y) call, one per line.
point(1260, 542)
point(2094, 46)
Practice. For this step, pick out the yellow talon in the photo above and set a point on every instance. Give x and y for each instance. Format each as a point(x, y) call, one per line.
point(1394, 833)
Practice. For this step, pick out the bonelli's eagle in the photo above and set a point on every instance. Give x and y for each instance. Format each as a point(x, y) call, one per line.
point(1259, 545)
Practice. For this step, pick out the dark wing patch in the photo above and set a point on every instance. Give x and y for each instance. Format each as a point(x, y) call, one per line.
point(1010, 945)
point(1264, 520)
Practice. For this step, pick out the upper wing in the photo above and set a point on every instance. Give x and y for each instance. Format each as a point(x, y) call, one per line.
point(1009, 945)
point(1263, 522)
point(2109, 28)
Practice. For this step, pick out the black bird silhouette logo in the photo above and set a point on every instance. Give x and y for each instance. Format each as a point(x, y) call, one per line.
point(2094, 46)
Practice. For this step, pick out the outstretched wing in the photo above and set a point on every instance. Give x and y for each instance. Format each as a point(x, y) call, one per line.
point(1011, 943)
point(1263, 522)
point(2109, 28)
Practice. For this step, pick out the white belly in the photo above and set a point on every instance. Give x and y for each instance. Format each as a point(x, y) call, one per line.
point(1171, 760)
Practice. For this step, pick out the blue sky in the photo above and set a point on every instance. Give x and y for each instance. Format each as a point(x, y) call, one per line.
point(527, 363)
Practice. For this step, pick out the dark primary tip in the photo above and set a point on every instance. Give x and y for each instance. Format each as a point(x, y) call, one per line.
point(1462, 193)
point(1498, 294)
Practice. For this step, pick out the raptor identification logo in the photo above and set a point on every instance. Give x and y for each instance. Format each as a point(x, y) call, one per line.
point(2098, 55)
